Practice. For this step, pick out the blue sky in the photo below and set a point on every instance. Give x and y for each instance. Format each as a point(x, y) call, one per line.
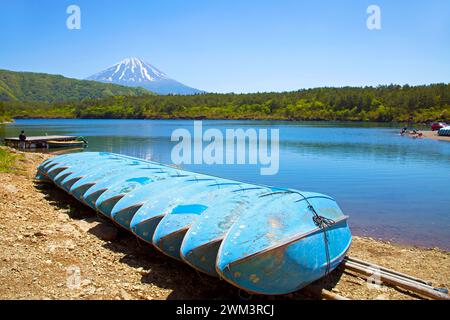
point(235, 45)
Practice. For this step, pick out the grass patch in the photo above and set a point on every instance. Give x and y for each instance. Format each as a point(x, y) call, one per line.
point(8, 161)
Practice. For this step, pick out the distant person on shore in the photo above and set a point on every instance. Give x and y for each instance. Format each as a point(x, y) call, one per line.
point(404, 130)
point(22, 139)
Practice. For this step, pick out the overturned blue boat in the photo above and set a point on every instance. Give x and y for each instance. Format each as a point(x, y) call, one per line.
point(262, 239)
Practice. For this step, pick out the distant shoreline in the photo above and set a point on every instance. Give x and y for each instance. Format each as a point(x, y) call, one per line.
point(401, 124)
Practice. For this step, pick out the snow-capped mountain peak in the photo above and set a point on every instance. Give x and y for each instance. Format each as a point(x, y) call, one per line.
point(135, 72)
point(130, 70)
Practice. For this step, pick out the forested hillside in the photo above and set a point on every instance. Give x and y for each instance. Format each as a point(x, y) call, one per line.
point(27, 86)
point(382, 103)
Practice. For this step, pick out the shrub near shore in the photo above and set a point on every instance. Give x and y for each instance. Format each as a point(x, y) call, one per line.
point(8, 161)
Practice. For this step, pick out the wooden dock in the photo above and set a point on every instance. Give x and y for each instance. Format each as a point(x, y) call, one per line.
point(37, 141)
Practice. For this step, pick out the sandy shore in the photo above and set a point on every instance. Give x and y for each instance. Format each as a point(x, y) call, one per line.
point(434, 135)
point(52, 247)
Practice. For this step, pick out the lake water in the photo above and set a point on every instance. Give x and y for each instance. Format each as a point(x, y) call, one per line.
point(392, 187)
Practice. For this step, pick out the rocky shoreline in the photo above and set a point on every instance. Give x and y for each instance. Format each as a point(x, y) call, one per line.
point(52, 247)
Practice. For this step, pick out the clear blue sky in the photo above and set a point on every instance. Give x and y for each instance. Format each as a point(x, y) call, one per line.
point(235, 45)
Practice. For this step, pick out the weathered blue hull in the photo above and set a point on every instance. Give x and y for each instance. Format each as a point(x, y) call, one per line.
point(89, 179)
point(169, 234)
point(278, 248)
point(204, 237)
point(261, 239)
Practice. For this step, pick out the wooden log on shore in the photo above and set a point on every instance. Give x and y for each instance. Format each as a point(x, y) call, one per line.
point(386, 270)
point(324, 293)
point(423, 290)
point(328, 295)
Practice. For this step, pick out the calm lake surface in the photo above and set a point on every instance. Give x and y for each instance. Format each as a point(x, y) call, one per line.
point(392, 187)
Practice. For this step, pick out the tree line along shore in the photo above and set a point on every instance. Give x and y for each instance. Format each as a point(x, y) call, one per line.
point(392, 103)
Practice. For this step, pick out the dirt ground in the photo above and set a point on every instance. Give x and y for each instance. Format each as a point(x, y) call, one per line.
point(52, 247)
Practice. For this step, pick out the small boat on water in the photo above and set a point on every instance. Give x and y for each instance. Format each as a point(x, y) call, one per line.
point(259, 238)
point(78, 143)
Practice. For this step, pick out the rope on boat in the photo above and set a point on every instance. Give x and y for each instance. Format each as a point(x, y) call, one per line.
point(320, 221)
point(323, 222)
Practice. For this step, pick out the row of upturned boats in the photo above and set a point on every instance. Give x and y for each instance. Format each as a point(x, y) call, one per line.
point(261, 239)
point(445, 131)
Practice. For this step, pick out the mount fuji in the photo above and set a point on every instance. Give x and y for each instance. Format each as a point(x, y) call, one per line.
point(133, 72)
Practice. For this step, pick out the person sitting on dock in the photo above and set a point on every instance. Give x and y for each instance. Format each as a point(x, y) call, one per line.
point(22, 139)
